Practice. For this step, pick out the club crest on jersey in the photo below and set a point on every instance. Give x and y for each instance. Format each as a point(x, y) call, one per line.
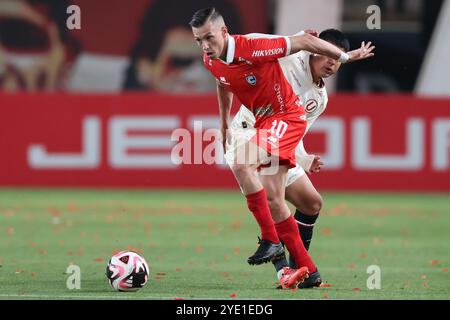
point(251, 79)
point(311, 105)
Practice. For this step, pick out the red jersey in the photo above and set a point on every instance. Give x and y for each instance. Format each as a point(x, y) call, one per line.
point(252, 72)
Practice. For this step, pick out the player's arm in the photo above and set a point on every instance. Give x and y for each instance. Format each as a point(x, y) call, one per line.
point(309, 162)
point(225, 99)
point(314, 44)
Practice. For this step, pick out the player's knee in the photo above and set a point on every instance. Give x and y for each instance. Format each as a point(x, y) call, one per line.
point(315, 205)
point(240, 170)
point(276, 204)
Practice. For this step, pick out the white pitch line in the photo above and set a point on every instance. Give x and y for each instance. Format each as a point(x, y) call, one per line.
point(93, 297)
point(124, 297)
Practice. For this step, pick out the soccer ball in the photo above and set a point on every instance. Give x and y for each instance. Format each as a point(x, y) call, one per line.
point(127, 271)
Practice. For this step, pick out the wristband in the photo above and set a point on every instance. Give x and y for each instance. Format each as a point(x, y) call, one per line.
point(343, 58)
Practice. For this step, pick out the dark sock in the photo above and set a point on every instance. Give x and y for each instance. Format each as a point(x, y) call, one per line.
point(280, 262)
point(305, 227)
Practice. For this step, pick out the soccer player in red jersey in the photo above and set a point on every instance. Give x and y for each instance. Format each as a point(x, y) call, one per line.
point(306, 73)
point(249, 69)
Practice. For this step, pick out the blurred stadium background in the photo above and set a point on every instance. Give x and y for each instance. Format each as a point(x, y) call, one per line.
point(96, 108)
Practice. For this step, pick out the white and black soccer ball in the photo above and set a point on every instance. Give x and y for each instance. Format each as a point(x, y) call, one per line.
point(127, 271)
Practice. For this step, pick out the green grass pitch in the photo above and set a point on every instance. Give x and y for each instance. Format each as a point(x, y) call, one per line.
point(197, 244)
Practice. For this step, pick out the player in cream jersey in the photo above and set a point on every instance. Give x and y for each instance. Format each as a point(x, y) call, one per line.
point(305, 73)
point(313, 97)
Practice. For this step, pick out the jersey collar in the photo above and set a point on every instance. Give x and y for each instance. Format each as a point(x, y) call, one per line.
point(230, 49)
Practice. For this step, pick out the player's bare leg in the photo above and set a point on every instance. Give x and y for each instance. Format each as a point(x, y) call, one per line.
point(247, 160)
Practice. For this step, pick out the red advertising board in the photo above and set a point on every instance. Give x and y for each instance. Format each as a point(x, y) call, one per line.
point(368, 143)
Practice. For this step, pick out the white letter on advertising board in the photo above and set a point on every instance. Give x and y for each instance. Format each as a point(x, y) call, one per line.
point(147, 146)
point(441, 143)
point(89, 158)
point(363, 159)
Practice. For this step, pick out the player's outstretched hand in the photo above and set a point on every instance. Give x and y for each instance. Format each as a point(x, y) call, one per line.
point(364, 52)
point(316, 165)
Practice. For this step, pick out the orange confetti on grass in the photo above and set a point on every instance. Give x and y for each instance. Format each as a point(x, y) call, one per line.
point(54, 211)
point(225, 274)
point(134, 249)
point(325, 296)
point(237, 250)
point(325, 285)
point(445, 270)
point(10, 231)
point(178, 298)
point(435, 262)
point(99, 259)
point(198, 248)
point(226, 257)
point(423, 277)
point(73, 207)
point(160, 273)
point(18, 270)
point(178, 269)
point(237, 224)
point(8, 213)
point(356, 289)
point(425, 285)
point(34, 274)
point(42, 251)
point(115, 251)
point(326, 232)
point(233, 295)
point(351, 266)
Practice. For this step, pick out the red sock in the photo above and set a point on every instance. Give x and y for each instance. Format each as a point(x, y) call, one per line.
point(289, 234)
point(258, 205)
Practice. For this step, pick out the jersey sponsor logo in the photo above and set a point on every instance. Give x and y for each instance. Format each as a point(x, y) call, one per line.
point(267, 52)
point(240, 59)
point(263, 111)
point(251, 79)
point(280, 99)
point(311, 105)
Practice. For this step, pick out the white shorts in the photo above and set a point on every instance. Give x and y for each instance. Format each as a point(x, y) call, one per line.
point(241, 135)
point(241, 138)
point(293, 174)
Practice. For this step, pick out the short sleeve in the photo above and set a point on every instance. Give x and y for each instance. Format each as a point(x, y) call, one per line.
point(262, 50)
